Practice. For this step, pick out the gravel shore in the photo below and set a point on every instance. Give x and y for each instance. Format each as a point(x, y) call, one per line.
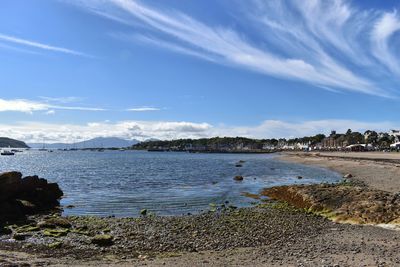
point(272, 234)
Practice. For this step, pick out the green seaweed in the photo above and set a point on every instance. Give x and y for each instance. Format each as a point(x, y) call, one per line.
point(80, 231)
point(55, 245)
point(27, 228)
point(55, 232)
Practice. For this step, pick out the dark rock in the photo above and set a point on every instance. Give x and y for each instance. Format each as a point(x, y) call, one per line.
point(5, 230)
point(22, 196)
point(10, 177)
point(10, 183)
point(102, 240)
point(238, 178)
point(19, 236)
point(143, 212)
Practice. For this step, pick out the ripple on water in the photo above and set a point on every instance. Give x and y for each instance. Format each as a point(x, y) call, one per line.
point(123, 183)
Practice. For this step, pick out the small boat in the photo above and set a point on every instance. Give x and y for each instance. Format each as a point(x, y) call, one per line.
point(7, 153)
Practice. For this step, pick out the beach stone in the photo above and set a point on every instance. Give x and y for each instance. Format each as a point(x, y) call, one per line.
point(102, 240)
point(19, 236)
point(5, 230)
point(54, 222)
point(143, 212)
point(238, 178)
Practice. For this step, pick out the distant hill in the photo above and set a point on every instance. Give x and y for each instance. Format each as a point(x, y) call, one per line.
point(8, 142)
point(99, 142)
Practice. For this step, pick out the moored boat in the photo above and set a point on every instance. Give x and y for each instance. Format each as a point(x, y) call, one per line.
point(7, 153)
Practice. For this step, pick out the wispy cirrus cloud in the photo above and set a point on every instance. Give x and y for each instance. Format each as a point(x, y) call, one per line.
point(38, 45)
point(384, 30)
point(30, 106)
point(18, 49)
point(143, 109)
point(49, 105)
point(324, 43)
point(66, 99)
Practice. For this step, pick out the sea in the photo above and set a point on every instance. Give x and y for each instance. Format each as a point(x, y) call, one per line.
point(122, 183)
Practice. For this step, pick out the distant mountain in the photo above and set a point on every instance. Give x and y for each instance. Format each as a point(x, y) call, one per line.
point(99, 142)
point(8, 142)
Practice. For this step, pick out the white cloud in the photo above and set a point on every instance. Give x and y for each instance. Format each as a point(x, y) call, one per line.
point(164, 45)
point(285, 129)
point(33, 44)
point(37, 131)
point(22, 105)
point(64, 100)
point(143, 109)
point(50, 112)
point(313, 41)
point(17, 49)
point(165, 130)
point(29, 106)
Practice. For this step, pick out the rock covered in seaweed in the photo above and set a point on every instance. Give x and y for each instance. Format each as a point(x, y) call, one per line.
point(342, 202)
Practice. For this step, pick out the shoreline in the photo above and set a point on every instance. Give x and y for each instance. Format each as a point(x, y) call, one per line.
point(269, 234)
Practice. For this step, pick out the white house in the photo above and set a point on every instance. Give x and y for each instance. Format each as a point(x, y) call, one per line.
point(395, 134)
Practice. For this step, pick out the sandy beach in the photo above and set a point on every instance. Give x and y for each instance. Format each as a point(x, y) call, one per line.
point(377, 169)
point(269, 234)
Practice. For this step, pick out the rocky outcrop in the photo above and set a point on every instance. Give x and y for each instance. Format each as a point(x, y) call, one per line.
point(342, 202)
point(29, 195)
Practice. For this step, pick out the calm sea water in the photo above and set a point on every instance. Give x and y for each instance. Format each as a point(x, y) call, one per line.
point(166, 183)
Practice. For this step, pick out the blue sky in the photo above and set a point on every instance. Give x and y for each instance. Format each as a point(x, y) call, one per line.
point(72, 70)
